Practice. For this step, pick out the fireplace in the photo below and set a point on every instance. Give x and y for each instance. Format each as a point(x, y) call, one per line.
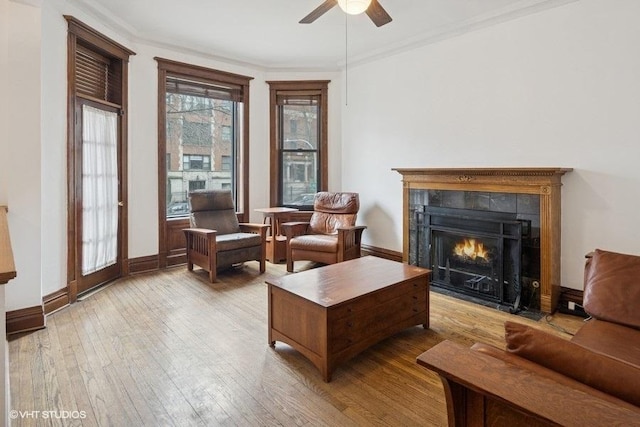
point(488, 255)
point(511, 214)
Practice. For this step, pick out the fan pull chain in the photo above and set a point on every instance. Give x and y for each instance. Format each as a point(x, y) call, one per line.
point(346, 59)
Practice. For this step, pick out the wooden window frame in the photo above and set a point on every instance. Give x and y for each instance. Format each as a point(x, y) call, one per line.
point(172, 245)
point(293, 86)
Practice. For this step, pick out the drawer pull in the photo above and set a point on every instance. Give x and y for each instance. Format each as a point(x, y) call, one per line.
point(350, 324)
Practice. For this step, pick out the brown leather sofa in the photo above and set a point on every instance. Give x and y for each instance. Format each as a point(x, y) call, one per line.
point(542, 379)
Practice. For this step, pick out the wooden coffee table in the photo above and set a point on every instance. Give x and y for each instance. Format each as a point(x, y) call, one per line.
point(331, 313)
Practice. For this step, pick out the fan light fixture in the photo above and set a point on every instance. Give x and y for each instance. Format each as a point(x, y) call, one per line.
point(354, 7)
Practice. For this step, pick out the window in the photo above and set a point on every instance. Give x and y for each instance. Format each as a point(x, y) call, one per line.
point(205, 116)
point(226, 163)
point(194, 105)
point(298, 142)
point(196, 185)
point(226, 133)
point(194, 162)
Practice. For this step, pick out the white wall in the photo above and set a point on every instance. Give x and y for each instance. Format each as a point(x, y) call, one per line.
point(556, 88)
point(54, 149)
point(4, 104)
point(22, 151)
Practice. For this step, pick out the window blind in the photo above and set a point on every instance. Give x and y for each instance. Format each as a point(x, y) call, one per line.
point(227, 92)
point(96, 76)
point(291, 97)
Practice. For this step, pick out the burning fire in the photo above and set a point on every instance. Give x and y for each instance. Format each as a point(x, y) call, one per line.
point(471, 249)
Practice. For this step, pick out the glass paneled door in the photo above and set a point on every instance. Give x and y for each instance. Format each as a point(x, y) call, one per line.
point(98, 258)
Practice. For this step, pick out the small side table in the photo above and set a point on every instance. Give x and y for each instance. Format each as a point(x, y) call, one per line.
point(276, 242)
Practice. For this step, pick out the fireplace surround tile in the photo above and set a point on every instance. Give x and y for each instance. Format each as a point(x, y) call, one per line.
point(543, 184)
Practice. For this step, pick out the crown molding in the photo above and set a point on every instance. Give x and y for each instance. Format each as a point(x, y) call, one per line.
point(34, 3)
point(514, 10)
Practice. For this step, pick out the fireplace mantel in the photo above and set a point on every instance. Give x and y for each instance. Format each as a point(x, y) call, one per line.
point(545, 182)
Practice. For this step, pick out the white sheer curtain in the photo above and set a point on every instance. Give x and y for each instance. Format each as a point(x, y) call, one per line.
point(99, 189)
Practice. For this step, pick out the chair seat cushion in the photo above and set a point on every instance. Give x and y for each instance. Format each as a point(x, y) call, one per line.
point(231, 241)
point(611, 339)
point(315, 242)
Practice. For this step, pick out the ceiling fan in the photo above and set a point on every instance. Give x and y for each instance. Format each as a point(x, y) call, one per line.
point(372, 8)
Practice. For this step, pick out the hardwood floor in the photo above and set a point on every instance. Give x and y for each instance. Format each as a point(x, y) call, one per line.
point(169, 348)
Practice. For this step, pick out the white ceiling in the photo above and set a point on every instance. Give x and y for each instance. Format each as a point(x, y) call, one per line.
point(266, 33)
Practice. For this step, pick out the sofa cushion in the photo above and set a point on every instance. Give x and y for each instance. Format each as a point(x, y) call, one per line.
point(234, 241)
point(315, 242)
point(611, 339)
point(596, 370)
point(612, 287)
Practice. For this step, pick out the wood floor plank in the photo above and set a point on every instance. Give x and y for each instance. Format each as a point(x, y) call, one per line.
point(171, 349)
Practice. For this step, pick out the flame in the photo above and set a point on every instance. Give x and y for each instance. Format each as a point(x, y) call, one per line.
point(471, 249)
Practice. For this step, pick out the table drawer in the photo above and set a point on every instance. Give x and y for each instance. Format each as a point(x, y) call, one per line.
point(377, 298)
point(364, 324)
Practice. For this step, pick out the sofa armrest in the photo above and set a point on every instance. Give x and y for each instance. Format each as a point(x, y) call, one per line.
point(481, 387)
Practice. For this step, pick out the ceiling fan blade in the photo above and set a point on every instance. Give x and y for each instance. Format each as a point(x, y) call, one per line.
point(318, 11)
point(378, 15)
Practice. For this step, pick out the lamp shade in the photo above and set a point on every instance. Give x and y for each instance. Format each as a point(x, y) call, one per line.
point(354, 7)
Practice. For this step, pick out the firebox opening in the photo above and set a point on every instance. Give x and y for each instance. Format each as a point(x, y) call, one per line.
point(481, 255)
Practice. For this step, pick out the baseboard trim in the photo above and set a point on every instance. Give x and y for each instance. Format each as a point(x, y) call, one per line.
point(570, 294)
point(144, 264)
point(55, 300)
point(570, 302)
point(25, 319)
point(381, 253)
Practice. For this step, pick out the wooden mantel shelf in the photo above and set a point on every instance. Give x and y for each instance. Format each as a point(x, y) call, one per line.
point(526, 180)
point(485, 176)
point(7, 266)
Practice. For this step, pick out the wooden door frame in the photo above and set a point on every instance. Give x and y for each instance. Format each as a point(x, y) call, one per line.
point(81, 34)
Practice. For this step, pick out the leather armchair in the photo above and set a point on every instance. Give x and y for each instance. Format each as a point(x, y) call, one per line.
point(216, 240)
point(330, 236)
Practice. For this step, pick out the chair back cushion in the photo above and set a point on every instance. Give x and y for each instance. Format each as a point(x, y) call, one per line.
point(612, 287)
point(214, 210)
point(333, 211)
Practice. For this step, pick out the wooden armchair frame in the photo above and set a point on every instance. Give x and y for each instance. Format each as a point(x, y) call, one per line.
point(202, 248)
